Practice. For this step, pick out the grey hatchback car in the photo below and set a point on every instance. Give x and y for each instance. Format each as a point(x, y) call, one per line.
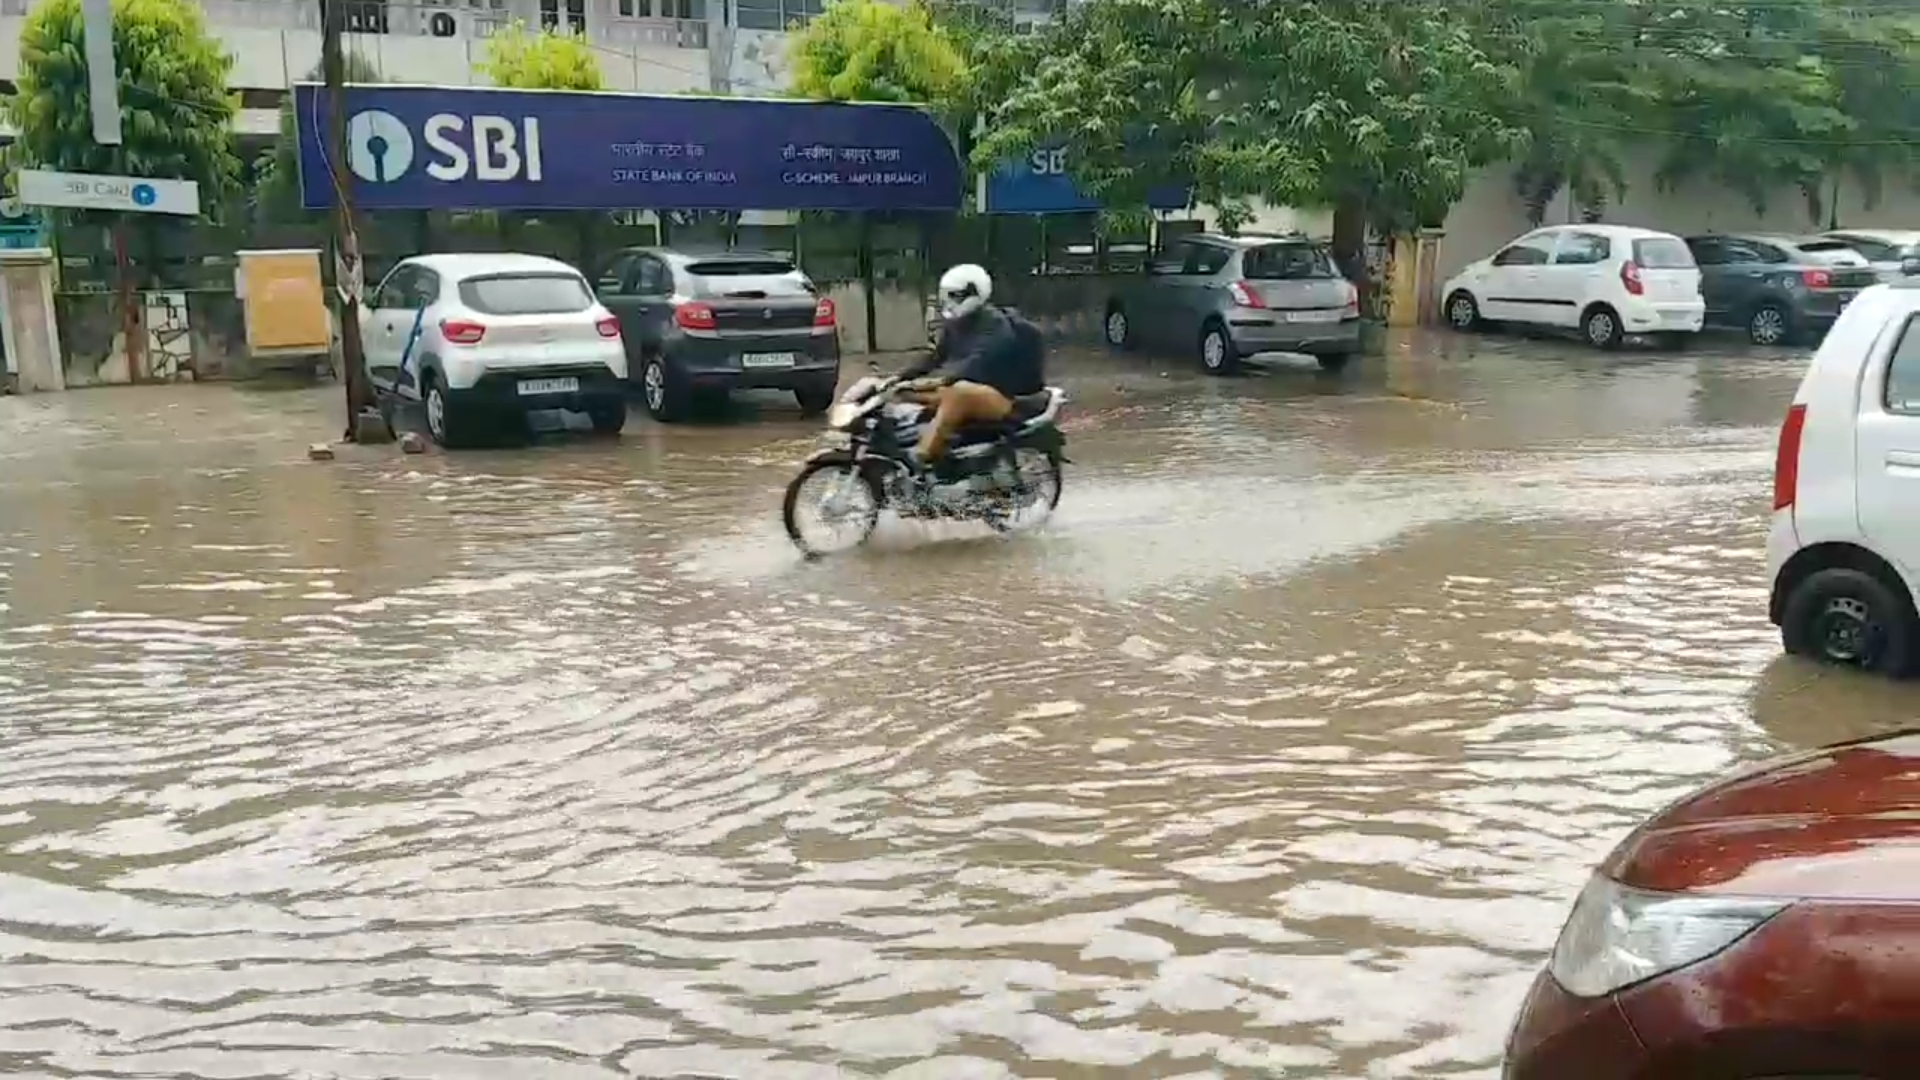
point(1779, 289)
point(1229, 297)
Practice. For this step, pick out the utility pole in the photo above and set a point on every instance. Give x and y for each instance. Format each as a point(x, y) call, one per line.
point(349, 273)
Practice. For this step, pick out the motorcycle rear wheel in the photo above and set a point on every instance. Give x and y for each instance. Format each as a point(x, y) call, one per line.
point(1000, 513)
point(859, 483)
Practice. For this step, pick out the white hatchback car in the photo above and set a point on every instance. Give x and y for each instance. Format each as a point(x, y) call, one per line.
point(1844, 549)
point(1606, 281)
point(482, 339)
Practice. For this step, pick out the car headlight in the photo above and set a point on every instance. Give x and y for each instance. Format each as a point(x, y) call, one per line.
point(1618, 936)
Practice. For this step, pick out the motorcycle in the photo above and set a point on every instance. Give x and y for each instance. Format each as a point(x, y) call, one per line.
point(1005, 474)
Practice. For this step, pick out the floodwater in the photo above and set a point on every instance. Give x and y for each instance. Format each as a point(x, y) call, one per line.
point(1280, 751)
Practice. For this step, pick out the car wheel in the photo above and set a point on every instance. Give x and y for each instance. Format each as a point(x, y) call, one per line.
point(1217, 354)
point(815, 398)
point(609, 415)
point(1849, 618)
point(1601, 327)
point(447, 425)
point(1334, 361)
point(1463, 311)
point(1118, 330)
point(661, 389)
point(1769, 325)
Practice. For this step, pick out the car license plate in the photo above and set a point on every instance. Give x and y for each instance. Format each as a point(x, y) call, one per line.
point(1329, 315)
point(766, 359)
point(530, 387)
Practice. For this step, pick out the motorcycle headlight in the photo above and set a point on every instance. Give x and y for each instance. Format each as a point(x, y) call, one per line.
point(1618, 936)
point(843, 415)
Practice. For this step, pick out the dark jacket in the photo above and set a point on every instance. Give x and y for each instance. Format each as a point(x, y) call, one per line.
point(988, 347)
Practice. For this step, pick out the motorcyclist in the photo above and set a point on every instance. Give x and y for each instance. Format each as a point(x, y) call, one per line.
point(990, 359)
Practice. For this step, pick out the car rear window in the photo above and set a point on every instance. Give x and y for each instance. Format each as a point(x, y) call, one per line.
point(1287, 262)
point(1662, 254)
point(754, 278)
point(526, 294)
point(1818, 246)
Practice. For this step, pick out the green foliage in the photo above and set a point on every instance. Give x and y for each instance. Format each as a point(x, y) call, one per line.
point(544, 60)
point(1381, 104)
point(276, 189)
point(1383, 108)
point(176, 113)
point(873, 50)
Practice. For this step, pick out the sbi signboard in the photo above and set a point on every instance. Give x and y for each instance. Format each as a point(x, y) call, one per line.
point(431, 148)
point(1040, 184)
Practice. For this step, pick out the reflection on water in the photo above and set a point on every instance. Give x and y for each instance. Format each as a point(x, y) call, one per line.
point(1282, 748)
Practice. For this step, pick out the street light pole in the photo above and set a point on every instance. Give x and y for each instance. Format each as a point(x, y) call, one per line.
point(349, 275)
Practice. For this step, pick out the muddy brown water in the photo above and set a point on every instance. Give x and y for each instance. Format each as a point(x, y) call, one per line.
point(1281, 750)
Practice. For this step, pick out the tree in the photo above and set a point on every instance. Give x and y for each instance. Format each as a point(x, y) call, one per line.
point(1379, 109)
point(523, 59)
point(276, 191)
point(872, 50)
point(176, 113)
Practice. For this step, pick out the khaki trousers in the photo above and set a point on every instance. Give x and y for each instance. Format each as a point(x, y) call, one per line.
point(954, 407)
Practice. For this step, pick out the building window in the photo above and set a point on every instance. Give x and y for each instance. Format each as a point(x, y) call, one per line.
point(564, 16)
point(776, 14)
point(366, 17)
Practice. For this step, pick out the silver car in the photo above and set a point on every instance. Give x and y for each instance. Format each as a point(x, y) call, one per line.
point(1229, 297)
point(1889, 250)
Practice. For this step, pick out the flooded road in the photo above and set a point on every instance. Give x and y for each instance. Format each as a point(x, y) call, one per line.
point(1281, 750)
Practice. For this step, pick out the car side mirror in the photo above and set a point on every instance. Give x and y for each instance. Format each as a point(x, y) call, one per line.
point(1910, 266)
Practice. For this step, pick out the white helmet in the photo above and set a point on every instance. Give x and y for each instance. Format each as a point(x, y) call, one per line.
point(963, 291)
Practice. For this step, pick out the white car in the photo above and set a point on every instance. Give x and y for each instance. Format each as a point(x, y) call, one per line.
point(481, 340)
point(1606, 281)
point(1844, 548)
point(1887, 249)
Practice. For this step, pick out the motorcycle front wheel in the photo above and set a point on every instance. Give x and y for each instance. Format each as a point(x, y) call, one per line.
point(836, 497)
point(1041, 482)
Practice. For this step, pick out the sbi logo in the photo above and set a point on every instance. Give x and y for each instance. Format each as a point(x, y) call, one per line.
point(1050, 162)
point(380, 147)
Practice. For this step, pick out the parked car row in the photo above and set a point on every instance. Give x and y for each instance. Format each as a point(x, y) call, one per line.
point(479, 341)
point(1611, 282)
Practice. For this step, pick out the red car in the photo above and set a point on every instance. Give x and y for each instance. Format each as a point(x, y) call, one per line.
point(1765, 927)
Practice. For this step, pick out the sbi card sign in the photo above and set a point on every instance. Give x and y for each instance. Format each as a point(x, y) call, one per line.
point(1040, 183)
point(435, 148)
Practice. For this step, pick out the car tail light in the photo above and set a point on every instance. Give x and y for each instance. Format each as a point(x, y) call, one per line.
point(462, 331)
point(695, 316)
point(1630, 277)
point(1244, 295)
point(609, 327)
point(1351, 309)
point(1786, 461)
point(824, 313)
point(1816, 279)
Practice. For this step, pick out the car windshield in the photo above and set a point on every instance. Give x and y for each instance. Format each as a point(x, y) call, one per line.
point(1662, 254)
point(526, 294)
point(753, 278)
point(1287, 262)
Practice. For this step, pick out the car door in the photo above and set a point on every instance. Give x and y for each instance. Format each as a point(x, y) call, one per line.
point(652, 302)
point(379, 344)
point(1153, 303)
point(1579, 269)
point(1709, 252)
point(1197, 298)
point(1512, 279)
point(1887, 449)
point(417, 297)
point(616, 292)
